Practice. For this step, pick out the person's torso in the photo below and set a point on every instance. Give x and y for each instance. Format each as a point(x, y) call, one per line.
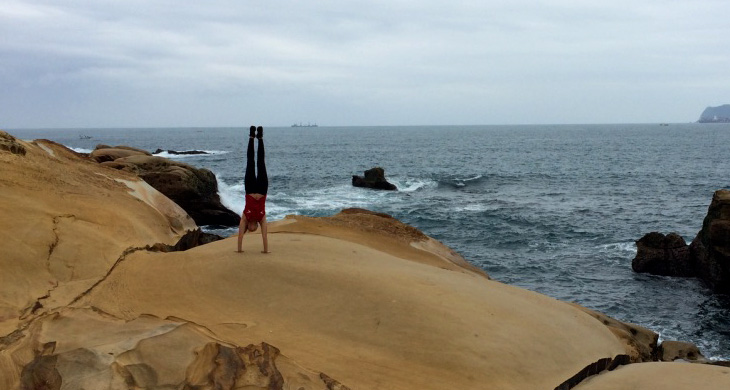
point(255, 209)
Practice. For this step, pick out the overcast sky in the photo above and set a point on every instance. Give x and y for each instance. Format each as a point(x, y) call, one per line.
point(150, 63)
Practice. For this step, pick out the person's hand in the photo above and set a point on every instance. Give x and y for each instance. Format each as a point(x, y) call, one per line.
point(265, 252)
point(239, 251)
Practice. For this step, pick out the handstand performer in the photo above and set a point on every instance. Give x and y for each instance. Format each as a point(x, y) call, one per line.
point(257, 184)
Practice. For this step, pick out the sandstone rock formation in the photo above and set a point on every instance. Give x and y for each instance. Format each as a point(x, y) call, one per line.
point(104, 153)
point(658, 254)
point(194, 189)
point(88, 349)
point(357, 300)
point(374, 178)
point(665, 376)
point(679, 350)
point(10, 144)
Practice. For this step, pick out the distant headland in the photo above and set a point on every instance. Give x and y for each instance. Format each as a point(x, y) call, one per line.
point(720, 114)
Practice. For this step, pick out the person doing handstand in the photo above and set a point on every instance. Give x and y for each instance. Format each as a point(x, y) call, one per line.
point(257, 184)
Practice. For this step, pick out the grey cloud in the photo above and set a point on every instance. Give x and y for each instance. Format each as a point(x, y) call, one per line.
point(381, 62)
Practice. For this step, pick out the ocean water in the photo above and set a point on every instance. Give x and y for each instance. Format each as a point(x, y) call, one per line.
point(552, 208)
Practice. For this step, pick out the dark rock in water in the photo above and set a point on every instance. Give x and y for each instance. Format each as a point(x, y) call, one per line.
point(193, 189)
point(375, 179)
point(707, 257)
point(158, 151)
point(658, 254)
point(710, 250)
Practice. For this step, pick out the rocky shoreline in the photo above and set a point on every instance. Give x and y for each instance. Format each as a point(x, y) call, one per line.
point(105, 285)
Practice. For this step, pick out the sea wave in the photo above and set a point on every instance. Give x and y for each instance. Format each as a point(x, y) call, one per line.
point(79, 150)
point(412, 184)
point(167, 154)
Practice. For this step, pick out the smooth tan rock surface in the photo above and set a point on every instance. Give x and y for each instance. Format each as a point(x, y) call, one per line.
point(362, 315)
point(65, 222)
point(661, 376)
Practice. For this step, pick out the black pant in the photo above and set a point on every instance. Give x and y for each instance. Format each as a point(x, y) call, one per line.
point(256, 183)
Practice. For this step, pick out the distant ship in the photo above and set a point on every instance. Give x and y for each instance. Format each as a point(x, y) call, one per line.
point(303, 125)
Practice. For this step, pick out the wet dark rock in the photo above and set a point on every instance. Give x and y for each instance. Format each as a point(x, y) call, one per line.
point(707, 257)
point(374, 178)
point(193, 189)
point(191, 239)
point(710, 250)
point(658, 254)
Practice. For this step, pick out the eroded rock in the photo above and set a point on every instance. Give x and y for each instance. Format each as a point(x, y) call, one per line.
point(670, 351)
point(658, 254)
point(11, 144)
point(194, 189)
point(374, 178)
point(98, 351)
point(710, 250)
point(105, 154)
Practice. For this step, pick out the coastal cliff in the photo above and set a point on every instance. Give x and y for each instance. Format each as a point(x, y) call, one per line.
point(720, 114)
point(357, 300)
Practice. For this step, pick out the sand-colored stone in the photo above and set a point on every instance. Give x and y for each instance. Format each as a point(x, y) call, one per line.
point(357, 300)
point(641, 343)
point(88, 349)
point(660, 376)
point(113, 153)
point(65, 222)
point(362, 315)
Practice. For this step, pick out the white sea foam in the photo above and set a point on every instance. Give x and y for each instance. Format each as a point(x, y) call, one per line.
point(411, 185)
point(79, 150)
point(232, 195)
point(207, 153)
point(619, 247)
point(474, 208)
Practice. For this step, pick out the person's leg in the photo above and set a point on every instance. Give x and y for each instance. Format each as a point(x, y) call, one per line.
point(262, 178)
point(250, 178)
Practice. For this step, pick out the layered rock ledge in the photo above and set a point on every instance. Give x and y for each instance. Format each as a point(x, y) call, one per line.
point(353, 301)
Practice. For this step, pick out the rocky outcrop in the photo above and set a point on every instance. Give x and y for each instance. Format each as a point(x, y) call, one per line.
point(374, 178)
point(710, 250)
point(707, 257)
point(194, 189)
point(658, 254)
point(642, 345)
point(89, 349)
point(678, 350)
point(104, 153)
point(10, 144)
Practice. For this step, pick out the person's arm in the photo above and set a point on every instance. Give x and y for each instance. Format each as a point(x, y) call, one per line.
point(242, 227)
point(264, 236)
